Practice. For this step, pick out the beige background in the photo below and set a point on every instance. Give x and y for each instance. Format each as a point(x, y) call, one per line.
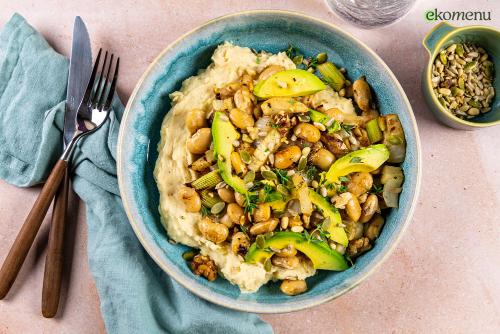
point(443, 277)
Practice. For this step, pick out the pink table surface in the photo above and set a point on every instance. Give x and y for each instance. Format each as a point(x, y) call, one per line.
point(443, 277)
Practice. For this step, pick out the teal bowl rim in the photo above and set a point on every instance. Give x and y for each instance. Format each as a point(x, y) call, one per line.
point(247, 306)
point(433, 53)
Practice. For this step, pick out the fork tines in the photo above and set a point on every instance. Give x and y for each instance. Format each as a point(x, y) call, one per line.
point(100, 92)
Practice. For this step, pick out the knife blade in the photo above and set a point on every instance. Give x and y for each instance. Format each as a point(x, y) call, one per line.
point(80, 69)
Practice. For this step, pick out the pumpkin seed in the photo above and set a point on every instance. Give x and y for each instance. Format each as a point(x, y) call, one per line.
point(268, 235)
point(217, 208)
point(475, 104)
point(455, 91)
point(268, 175)
point(245, 157)
point(470, 66)
point(188, 255)
point(443, 58)
point(297, 60)
point(260, 241)
point(267, 265)
point(461, 83)
point(304, 118)
point(249, 177)
point(302, 163)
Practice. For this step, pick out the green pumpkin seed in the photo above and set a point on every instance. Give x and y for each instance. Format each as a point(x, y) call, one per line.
point(268, 175)
point(268, 235)
point(475, 104)
point(260, 241)
point(461, 83)
point(249, 177)
point(321, 57)
point(245, 157)
point(443, 58)
point(460, 50)
point(217, 208)
point(302, 163)
point(304, 118)
point(246, 138)
point(297, 60)
point(267, 265)
point(188, 255)
point(455, 91)
point(326, 224)
point(470, 66)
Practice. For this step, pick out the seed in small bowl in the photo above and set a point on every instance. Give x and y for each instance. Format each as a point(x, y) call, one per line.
point(462, 77)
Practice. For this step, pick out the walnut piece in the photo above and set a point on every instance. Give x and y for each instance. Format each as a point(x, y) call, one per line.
point(358, 247)
point(202, 265)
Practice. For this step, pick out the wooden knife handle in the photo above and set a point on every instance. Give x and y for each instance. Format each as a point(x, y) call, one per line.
point(17, 254)
point(54, 260)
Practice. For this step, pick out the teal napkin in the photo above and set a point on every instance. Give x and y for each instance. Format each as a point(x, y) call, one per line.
point(136, 295)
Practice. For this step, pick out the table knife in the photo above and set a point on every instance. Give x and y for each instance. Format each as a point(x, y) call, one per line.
point(79, 74)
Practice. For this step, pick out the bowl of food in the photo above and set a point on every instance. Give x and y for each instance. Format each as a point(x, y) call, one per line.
point(459, 81)
point(268, 161)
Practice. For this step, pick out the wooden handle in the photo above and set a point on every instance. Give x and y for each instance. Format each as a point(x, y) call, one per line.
point(54, 260)
point(17, 254)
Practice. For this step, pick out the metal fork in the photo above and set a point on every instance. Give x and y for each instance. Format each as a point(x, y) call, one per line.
point(92, 114)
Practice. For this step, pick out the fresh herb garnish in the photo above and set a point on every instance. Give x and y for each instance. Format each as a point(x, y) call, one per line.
point(317, 232)
point(250, 202)
point(347, 127)
point(311, 172)
point(204, 211)
point(376, 189)
point(343, 179)
point(269, 194)
point(274, 125)
point(282, 176)
point(356, 160)
point(244, 229)
point(311, 62)
point(291, 52)
point(341, 189)
point(257, 60)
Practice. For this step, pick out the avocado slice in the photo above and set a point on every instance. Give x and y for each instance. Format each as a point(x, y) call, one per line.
point(289, 83)
point(224, 134)
point(364, 160)
point(336, 232)
point(321, 255)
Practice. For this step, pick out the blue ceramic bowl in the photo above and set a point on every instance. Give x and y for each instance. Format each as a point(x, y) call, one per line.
point(140, 132)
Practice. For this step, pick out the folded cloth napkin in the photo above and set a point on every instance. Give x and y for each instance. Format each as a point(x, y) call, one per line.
point(136, 295)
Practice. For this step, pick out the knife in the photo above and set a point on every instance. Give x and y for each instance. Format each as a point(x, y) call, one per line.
point(79, 73)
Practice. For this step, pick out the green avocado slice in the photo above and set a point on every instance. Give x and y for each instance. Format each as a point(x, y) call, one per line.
point(364, 160)
point(321, 255)
point(336, 232)
point(289, 83)
point(223, 135)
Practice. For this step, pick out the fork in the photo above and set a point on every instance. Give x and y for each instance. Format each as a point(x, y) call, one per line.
point(92, 114)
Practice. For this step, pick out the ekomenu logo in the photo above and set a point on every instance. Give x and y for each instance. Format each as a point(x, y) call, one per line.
point(433, 15)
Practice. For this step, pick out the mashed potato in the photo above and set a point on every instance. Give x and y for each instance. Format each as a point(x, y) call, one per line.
point(171, 171)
